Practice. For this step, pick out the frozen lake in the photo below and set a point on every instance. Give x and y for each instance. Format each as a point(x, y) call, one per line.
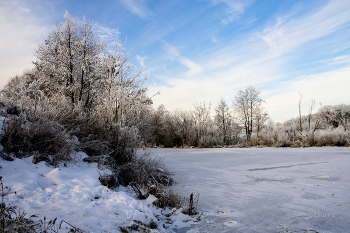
point(265, 189)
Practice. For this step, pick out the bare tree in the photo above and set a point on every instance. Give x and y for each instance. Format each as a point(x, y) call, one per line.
point(123, 93)
point(223, 119)
point(201, 118)
point(261, 116)
point(89, 60)
point(158, 122)
point(184, 122)
point(68, 63)
point(312, 105)
point(300, 99)
point(245, 104)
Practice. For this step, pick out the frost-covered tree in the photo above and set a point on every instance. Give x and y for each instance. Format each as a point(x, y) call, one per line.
point(122, 90)
point(89, 63)
point(68, 62)
point(202, 120)
point(299, 105)
point(25, 91)
point(57, 60)
point(336, 115)
point(223, 120)
point(158, 122)
point(261, 116)
point(245, 106)
point(185, 127)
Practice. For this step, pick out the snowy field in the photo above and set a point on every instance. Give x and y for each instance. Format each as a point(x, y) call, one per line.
point(74, 194)
point(265, 189)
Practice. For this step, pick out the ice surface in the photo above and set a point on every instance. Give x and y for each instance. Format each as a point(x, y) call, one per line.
point(265, 189)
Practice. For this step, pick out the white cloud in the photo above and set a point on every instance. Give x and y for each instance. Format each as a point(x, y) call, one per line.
point(248, 22)
point(21, 31)
point(329, 88)
point(137, 8)
point(341, 59)
point(141, 60)
point(288, 33)
point(108, 35)
point(173, 53)
point(194, 67)
point(233, 8)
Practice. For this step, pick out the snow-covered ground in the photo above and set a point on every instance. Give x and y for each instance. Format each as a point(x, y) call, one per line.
point(75, 195)
point(265, 189)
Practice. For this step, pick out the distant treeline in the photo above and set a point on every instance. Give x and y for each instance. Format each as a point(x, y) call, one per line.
point(242, 127)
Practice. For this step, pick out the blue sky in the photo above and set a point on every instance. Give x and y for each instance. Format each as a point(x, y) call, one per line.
point(202, 50)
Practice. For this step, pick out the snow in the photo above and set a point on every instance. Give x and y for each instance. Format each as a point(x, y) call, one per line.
point(265, 189)
point(75, 195)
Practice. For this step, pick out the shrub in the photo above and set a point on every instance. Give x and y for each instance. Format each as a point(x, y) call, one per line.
point(145, 170)
point(166, 198)
point(147, 176)
point(332, 137)
point(45, 139)
point(110, 139)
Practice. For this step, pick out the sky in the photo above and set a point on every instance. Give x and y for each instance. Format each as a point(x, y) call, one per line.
point(204, 50)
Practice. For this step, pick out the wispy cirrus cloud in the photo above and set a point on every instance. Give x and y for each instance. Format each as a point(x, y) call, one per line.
point(233, 8)
point(173, 53)
point(107, 34)
point(141, 60)
point(345, 59)
point(110, 36)
point(137, 8)
point(289, 33)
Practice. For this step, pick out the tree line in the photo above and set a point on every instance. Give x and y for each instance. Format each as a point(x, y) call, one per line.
point(247, 123)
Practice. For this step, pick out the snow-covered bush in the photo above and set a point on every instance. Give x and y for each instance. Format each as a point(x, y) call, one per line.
point(45, 139)
point(146, 174)
point(332, 137)
point(146, 170)
point(168, 198)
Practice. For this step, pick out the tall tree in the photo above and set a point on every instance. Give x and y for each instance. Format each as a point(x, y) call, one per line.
point(245, 105)
point(201, 119)
point(68, 61)
point(261, 116)
point(159, 128)
point(123, 92)
point(223, 119)
point(299, 105)
point(89, 59)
